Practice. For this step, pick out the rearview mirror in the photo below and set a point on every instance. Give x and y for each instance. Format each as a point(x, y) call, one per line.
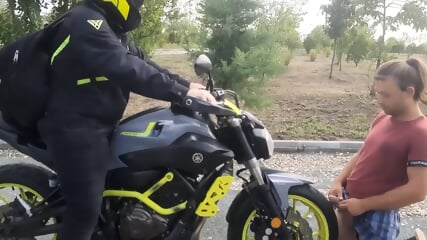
point(203, 65)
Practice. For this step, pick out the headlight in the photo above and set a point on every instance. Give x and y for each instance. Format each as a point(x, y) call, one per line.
point(263, 145)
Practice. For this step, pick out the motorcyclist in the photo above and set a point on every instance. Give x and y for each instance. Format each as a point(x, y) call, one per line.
point(94, 68)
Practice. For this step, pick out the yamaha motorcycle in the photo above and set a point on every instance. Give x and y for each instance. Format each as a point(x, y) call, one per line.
point(170, 169)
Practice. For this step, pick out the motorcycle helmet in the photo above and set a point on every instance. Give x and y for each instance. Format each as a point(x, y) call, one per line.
point(124, 13)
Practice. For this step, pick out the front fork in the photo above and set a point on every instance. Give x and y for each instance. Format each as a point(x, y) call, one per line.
point(270, 197)
point(268, 189)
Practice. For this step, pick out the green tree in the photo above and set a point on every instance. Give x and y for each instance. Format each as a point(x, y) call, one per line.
point(394, 46)
point(317, 39)
point(338, 19)
point(61, 6)
point(282, 21)
point(360, 46)
point(242, 50)
point(148, 33)
point(181, 30)
point(422, 48)
point(229, 22)
point(309, 44)
point(411, 13)
point(9, 31)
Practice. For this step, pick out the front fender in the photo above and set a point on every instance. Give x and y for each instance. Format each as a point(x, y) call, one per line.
point(280, 181)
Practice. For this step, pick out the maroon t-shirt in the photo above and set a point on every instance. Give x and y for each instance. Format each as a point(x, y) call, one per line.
point(389, 148)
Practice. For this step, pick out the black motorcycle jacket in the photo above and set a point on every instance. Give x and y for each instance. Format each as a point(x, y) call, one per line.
point(93, 70)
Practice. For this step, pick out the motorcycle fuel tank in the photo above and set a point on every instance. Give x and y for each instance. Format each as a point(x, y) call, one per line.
point(161, 138)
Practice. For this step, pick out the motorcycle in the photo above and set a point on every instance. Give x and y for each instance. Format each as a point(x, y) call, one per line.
point(170, 169)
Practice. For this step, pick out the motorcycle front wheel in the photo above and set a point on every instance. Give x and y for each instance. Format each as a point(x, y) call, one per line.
point(310, 217)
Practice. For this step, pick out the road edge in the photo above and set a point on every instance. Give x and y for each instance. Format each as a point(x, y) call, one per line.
point(292, 146)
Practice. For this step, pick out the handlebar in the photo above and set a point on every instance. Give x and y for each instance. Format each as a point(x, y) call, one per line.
point(201, 106)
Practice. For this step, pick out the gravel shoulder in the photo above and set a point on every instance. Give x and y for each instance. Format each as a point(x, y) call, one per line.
point(320, 167)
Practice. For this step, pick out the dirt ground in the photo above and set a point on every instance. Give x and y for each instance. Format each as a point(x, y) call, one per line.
point(306, 104)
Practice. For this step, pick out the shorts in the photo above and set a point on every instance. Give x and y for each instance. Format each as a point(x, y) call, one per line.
point(376, 225)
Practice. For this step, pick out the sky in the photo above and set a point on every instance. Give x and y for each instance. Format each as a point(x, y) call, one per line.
point(314, 18)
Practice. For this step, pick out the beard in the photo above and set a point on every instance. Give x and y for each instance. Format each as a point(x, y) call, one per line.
point(395, 111)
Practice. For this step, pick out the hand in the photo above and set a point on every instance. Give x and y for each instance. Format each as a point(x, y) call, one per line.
point(354, 206)
point(335, 193)
point(202, 95)
point(197, 86)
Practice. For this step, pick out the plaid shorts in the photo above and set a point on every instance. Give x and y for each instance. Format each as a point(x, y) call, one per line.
point(376, 225)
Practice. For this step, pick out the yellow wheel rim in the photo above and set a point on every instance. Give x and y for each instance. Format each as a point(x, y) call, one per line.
point(322, 233)
point(22, 190)
point(247, 224)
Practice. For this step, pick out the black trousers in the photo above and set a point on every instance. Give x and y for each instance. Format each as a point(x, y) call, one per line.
point(79, 148)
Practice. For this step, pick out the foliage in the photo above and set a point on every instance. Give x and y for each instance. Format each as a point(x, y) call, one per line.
point(9, 31)
point(327, 51)
point(411, 13)
point(313, 55)
point(185, 33)
point(360, 45)
point(19, 17)
point(147, 34)
point(416, 49)
point(61, 6)
point(317, 39)
point(248, 44)
point(281, 23)
point(287, 57)
point(395, 46)
point(338, 19)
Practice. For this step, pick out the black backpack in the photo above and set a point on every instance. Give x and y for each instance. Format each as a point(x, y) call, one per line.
point(24, 78)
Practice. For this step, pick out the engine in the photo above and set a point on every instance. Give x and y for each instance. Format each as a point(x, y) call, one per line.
point(138, 223)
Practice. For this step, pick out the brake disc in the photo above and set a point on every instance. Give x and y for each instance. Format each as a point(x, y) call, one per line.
point(10, 213)
point(299, 226)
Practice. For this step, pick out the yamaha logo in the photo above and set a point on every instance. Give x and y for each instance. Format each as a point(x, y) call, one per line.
point(197, 158)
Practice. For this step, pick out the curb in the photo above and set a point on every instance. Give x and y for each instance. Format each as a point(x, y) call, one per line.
point(298, 146)
point(293, 146)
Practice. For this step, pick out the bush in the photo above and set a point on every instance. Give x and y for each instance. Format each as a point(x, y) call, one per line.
point(249, 71)
point(327, 51)
point(309, 44)
point(313, 55)
point(287, 57)
point(388, 57)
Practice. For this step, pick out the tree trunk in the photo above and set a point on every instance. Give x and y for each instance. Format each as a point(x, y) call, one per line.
point(333, 58)
point(382, 40)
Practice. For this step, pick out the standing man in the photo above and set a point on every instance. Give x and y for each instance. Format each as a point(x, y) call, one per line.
point(390, 170)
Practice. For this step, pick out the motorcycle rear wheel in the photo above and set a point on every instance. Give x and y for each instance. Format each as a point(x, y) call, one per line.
point(27, 182)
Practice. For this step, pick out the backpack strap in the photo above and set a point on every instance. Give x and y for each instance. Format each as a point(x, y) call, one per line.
point(50, 30)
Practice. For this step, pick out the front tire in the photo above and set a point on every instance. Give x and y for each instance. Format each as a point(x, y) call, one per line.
point(247, 224)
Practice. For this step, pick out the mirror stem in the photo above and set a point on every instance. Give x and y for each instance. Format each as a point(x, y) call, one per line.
point(210, 82)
